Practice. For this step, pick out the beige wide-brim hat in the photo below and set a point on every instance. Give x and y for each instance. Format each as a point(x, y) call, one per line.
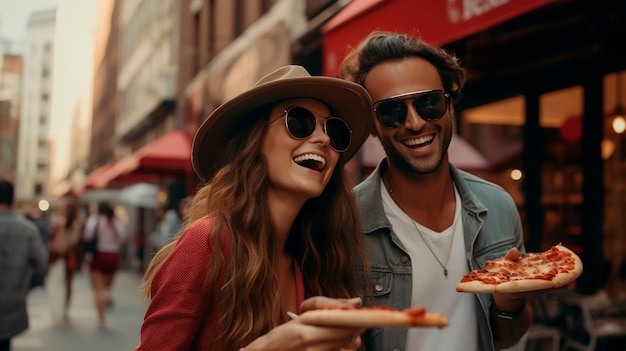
point(346, 100)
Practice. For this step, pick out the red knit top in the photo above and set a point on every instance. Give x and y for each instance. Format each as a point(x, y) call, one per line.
point(179, 317)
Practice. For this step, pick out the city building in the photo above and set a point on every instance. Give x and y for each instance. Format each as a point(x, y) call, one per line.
point(10, 92)
point(135, 98)
point(105, 99)
point(33, 169)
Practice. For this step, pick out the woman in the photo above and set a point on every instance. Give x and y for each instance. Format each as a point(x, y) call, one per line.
point(274, 223)
point(64, 260)
point(110, 235)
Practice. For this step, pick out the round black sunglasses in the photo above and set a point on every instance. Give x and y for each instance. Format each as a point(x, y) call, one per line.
point(301, 123)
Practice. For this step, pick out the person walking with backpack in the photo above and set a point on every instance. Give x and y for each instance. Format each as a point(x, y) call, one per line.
point(106, 260)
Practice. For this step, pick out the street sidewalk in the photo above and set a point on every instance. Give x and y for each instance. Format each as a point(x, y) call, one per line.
point(81, 332)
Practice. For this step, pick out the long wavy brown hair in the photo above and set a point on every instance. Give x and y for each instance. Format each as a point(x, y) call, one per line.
point(243, 283)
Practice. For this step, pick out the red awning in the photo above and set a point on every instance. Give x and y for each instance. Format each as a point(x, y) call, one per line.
point(96, 179)
point(113, 174)
point(437, 22)
point(168, 155)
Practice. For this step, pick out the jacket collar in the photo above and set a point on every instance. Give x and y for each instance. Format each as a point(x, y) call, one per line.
point(370, 201)
point(371, 205)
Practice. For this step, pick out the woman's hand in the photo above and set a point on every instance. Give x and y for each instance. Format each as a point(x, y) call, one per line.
point(297, 336)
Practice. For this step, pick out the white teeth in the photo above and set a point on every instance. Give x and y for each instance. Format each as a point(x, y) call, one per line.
point(313, 157)
point(418, 141)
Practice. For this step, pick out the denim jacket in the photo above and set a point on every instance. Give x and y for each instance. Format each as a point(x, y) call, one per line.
point(491, 226)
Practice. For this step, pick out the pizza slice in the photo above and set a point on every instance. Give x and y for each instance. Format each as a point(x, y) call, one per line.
point(373, 316)
point(553, 268)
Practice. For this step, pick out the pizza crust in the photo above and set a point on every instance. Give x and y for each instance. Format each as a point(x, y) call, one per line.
point(475, 287)
point(525, 285)
point(507, 287)
point(370, 317)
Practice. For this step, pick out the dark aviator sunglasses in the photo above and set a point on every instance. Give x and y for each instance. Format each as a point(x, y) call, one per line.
point(431, 105)
point(301, 123)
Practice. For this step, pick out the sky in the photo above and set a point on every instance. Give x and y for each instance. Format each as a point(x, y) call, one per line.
point(14, 16)
point(73, 64)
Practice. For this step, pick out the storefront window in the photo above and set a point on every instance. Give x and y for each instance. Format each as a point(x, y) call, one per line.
point(560, 118)
point(495, 131)
point(614, 182)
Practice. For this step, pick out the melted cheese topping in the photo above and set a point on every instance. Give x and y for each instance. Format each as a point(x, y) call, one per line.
point(542, 265)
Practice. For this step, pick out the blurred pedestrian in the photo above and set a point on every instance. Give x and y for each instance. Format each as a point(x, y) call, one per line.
point(22, 256)
point(274, 223)
point(43, 224)
point(139, 240)
point(106, 261)
point(38, 280)
point(64, 257)
point(183, 208)
point(42, 231)
point(168, 222)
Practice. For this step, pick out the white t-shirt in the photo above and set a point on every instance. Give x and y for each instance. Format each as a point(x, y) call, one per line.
point(431, 288)
point(111, 237)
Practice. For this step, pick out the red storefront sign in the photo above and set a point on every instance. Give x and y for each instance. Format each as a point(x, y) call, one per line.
point(436, 21)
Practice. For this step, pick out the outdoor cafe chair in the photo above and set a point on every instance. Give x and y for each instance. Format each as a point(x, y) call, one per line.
point(585, 330)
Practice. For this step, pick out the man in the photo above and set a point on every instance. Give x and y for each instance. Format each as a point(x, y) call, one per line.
point(427, 223)
point(22, 256)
